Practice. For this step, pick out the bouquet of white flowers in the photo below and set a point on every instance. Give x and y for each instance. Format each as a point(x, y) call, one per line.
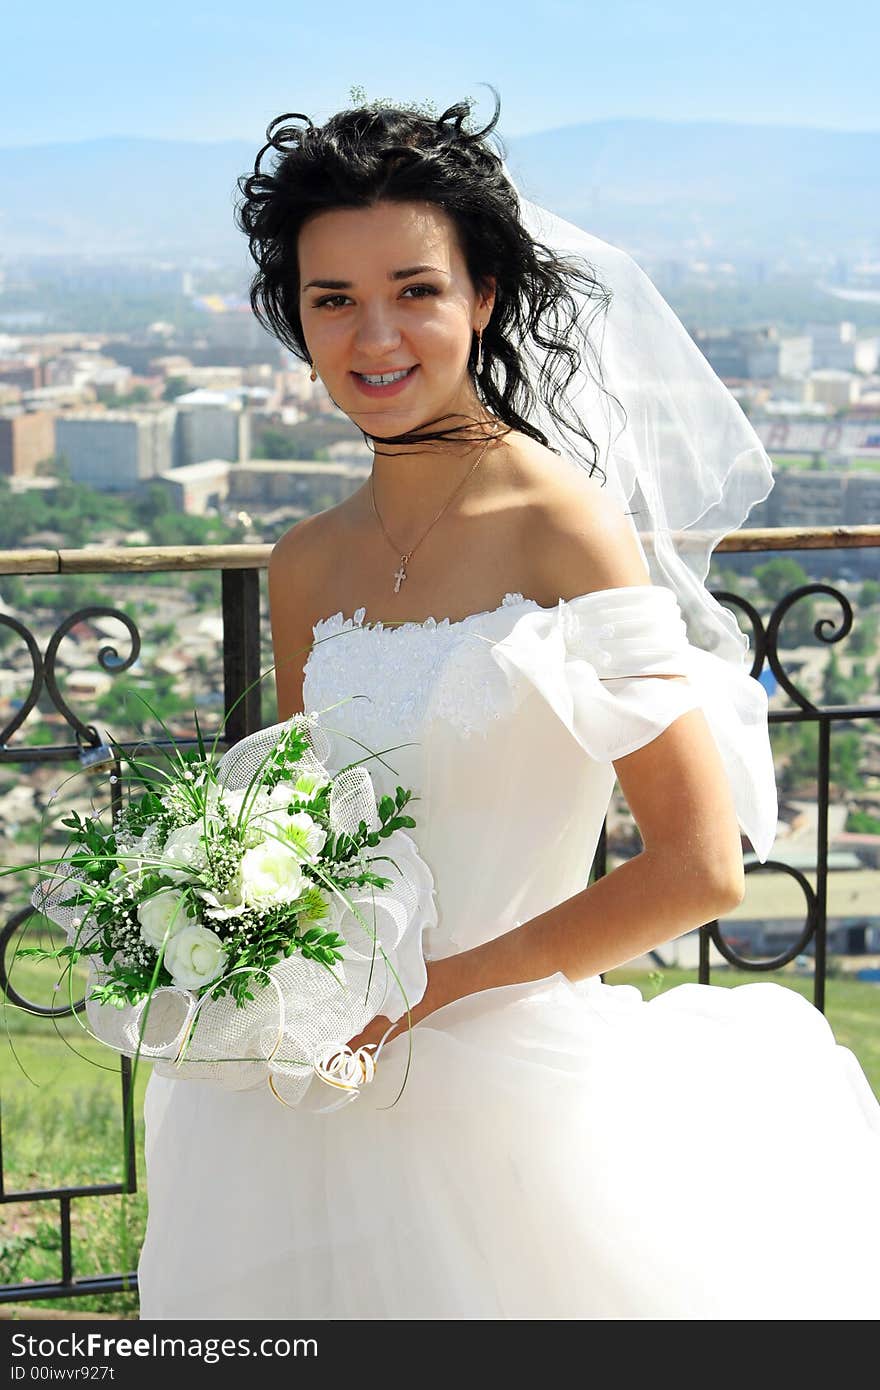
point(234, 920)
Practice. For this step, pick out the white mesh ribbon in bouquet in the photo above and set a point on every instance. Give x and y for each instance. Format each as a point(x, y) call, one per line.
point(295, 1027)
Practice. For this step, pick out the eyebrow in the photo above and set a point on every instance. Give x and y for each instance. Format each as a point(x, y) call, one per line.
point(392, 275)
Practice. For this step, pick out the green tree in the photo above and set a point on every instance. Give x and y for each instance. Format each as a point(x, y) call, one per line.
point(835, 685)
point(138, 395)
point(795, 754)
point(274, 443)
point(779, 576)
point(862, 641)
point(776, 578)
point(151, 502)
point(869, 594)
point(845, 771)
point(175, 386)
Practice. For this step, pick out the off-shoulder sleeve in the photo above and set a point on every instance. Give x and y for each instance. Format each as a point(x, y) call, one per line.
point(592, 658)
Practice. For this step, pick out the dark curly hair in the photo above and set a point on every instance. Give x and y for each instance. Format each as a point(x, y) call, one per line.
point(399, 153)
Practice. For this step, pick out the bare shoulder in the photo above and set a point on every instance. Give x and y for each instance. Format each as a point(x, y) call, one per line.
point(298, 566)
point(301, 556)
point(580, 537)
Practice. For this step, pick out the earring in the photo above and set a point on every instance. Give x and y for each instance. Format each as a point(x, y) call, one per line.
point(480, 353)
point(313, 375)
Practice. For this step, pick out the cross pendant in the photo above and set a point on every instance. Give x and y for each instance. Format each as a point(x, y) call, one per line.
point(400, 574)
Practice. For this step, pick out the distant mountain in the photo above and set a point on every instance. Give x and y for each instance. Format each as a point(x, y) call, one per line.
point(658, 188)
point(123, 195)
point(668, 188)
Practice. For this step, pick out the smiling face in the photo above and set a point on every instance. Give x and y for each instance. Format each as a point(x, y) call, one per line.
point(383, 289)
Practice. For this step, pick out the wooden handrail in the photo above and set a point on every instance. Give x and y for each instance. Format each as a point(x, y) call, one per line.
point(134, 559)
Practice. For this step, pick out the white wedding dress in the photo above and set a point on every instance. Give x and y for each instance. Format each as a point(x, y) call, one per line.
point(560, 1150)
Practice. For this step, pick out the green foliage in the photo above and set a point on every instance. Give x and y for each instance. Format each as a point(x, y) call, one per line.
point(869, 594)
point(175, 386)
point(846, 752)
point(778, 577)
point(795, 749)
point(81, 514)
point(138, 395)
point(13, 588)
point(151, 503)
point(863, 823)
point(840, 689)
point(345, 846)
point(273, 442)
point(796, 757)
point(862, 641)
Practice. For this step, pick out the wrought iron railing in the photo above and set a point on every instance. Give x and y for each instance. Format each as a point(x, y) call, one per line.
point(240, 567)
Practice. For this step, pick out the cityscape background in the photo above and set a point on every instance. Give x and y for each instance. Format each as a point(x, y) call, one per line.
point(733, 152)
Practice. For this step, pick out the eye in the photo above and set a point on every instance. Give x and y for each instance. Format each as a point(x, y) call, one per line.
point(429, 289)
point(329, 300)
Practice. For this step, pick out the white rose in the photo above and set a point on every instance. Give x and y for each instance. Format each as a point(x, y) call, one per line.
point(300, 831)
point(164, 914)
point(271, 874)
point(184, 855)
point(194, 957)
point(304, 788)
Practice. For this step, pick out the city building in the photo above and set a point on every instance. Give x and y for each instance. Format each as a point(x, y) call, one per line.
point(836, 346)
point(23, 370)
point(807, 497)
point(313, 486)
point(210, 425)
point(116, 450)
point(27, 438)
point(198, 488)
point(79, 369)
point(306, 485)
point(832, 387)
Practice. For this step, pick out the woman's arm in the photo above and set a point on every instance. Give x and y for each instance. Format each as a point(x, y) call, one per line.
point(689, 872)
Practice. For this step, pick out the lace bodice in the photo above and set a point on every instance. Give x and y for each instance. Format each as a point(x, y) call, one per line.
point(397, 669)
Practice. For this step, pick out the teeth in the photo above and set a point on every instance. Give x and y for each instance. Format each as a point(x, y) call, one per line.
point(383, 380)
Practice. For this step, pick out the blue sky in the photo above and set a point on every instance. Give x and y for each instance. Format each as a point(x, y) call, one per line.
point(179, 70)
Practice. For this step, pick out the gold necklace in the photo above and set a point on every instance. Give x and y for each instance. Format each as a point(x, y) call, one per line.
point(400, 573)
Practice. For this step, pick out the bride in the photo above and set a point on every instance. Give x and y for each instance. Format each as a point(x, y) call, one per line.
point(562, 1148)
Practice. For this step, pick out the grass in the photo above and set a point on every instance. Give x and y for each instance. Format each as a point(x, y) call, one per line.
point(62, 1124)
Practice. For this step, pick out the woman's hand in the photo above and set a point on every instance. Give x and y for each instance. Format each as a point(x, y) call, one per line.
point(437, 993)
